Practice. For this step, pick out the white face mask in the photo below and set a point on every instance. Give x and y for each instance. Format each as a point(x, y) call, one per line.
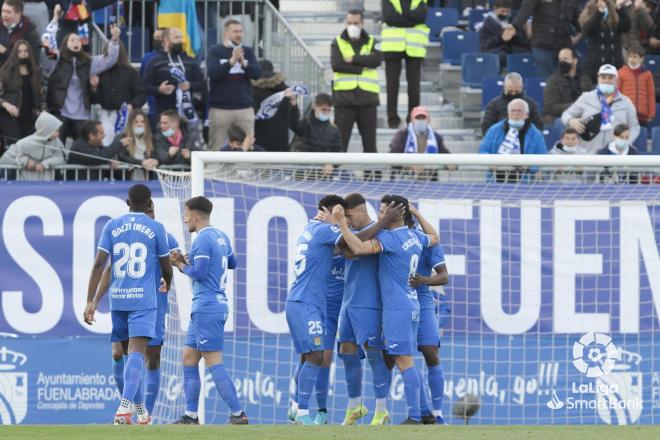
point(572, 149)
point(353, 31)
point(634, 66)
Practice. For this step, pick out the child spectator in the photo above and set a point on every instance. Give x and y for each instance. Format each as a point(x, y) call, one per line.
point(569, 143)
point(637, 84)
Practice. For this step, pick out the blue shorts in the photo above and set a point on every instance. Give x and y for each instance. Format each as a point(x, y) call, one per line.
point(400, 331)
point(428, 332)
point(133, 324)
point(330, 330)
point(206, 331)
point(306, 325)
point(362, 325)
point(159, 334)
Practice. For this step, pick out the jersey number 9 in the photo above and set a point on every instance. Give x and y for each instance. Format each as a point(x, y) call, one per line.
point(132, 260)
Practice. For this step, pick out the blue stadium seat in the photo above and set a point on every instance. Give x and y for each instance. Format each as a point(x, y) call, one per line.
point(551, 136)
point(439, 18)
point(640, 142)
point(522, 63)
point(652, 62)
point(655, 122)
point(534, 87)
point(477, 66)
point(656, 140)
point(456, 43)
point(490, 88)
point(476, 16)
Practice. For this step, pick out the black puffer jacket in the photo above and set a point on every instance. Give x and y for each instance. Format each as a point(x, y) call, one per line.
point(554, 21)
point(314, 136)
point(118, 85)
point(496, 110)
point(58, 83)
point(603, 42)
point(272, 133)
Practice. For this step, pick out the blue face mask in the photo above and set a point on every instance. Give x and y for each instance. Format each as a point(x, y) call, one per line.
point(420, 127)
point(621, 144)
point(323, 117)
point(169, 132)
point(606, 89)
point(517, 124)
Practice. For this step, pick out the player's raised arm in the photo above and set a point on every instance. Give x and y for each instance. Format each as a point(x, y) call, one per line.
point(426, 226)
point(355, 244)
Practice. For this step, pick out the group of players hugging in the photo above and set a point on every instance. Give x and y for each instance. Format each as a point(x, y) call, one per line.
point(360, 284)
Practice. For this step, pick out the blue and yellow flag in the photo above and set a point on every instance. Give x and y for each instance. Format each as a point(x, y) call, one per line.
point(181, 14)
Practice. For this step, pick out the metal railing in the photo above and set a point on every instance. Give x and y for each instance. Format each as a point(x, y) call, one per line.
point(74, 173)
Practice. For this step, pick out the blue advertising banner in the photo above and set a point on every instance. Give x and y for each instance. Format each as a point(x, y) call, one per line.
point(554, 294)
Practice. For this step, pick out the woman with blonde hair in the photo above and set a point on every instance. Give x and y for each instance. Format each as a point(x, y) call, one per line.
point(604, 22)
point(135, 145)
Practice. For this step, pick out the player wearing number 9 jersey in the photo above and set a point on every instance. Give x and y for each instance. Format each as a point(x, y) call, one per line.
point(306, 304)
point(208, 264)
point(399, 249)
point(137, 246)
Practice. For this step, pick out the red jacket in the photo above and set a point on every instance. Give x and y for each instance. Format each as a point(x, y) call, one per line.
point(638, 86)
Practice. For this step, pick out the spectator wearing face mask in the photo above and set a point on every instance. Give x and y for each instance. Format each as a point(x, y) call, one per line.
point(620, 144)
point(595, 114)
point(135, 145)
point(16, 26)
point(355, 86)
point(174, 142)
point(637, 84)
point(496, 110)
point(569, 143)
point(497, 35)
point(564, 87)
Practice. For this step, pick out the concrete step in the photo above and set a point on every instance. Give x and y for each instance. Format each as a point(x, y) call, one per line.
point(326, 6)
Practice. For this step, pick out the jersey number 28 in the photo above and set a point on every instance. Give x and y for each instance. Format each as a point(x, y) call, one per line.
point(132, 259)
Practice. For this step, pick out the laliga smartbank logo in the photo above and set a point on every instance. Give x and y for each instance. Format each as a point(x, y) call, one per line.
point(13, 387)
point(616, 390)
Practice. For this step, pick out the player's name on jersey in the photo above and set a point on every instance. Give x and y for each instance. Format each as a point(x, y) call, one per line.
point(133, 227)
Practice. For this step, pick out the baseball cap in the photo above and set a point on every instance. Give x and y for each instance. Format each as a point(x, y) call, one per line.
point(420, 111)
point(608, 69)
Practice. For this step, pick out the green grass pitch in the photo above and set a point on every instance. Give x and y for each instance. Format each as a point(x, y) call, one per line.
point(281, 432)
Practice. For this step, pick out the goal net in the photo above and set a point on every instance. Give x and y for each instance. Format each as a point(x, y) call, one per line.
point(554, 280)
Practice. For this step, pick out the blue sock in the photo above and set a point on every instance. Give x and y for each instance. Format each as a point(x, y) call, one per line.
point(133, 374)
point(411, 388)
point(296, 373)
point(191, 387)
point(353, 372)
point(153, 385)
point(225, 387)
point(118, 373)
point(423, 398)
point(381, 375)
point(437, 385)
point(321, 387)
point(306, 381)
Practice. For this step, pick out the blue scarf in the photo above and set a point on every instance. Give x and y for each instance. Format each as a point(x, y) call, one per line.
point(605, 113)
point(122, 117)
point(411, 141)
point(269, 106)
point(184, 104)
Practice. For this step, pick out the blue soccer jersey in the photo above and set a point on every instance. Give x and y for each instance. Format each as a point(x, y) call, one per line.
point(361, 289)
point(134, 242)
point(335, 288)
point(313, 264)
point(213, 245)
point(431, 258)
point(163, 306)
point(402, 250)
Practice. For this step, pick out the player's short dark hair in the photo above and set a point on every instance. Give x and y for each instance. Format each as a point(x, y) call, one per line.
point(570, 130)
point(236, 134)
point(637, 49)
point(139, 195)
point(16, 4)
point(356, 12)
point(323, 99)
point(354, 200)
point(201, 204)
point(399, 200)
point(89, 128)
point(330, 201)
point(620, 129)
point(231, 22)
point(503, 4)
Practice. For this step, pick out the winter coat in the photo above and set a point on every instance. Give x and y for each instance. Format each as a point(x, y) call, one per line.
point(229, 86)
point(639, 87)
point(531, 139)
point(162, 146)
point(273, 133)
point(554, 21)
point(588, 104)
point(122, 152)
point(558, 94)
point(604, 43)
point(24, 30)
point(38, 147)
point(496, 110)
point(313, 135)
point(104, 154)
point(398, 144)
point(490, 39)
point(118, 85)
point(640, 21)
point(357, 96)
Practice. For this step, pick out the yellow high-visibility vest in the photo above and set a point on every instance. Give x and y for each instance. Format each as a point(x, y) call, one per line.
point(367, 80)
point(411, 40)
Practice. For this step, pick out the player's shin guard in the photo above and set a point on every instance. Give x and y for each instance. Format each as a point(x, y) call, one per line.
point(411, 388)
point(306, 381)
point(118, 373)
point(191, 387)
point(353, 372)
point(321, 387)
point(225, 387)
point(152, 387)
point(437, 385)
point(381, 375)
point(133, 377)
point(423, 398)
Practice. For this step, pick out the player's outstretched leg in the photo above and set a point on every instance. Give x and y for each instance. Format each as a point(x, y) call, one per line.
point(381, 381)
point(321, 388)
point(293, 399)
point(225, 386)
point(153, 377)
point(353, 371)
point(436, 380)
